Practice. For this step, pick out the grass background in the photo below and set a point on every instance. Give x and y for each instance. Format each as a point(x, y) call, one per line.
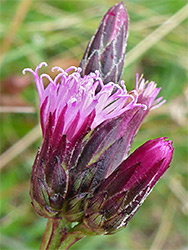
point(57, 32)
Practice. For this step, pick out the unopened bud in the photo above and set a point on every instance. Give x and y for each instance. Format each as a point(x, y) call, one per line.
point(119, 196)
point(106, 49)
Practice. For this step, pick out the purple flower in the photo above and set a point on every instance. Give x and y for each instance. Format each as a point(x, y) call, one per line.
point(83, 171)
point(86, 136)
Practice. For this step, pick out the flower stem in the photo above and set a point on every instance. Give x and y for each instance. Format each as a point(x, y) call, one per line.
point(59, 236)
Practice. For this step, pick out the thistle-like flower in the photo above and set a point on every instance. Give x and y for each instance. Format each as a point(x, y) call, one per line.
point(83, 172)
point(86, 136)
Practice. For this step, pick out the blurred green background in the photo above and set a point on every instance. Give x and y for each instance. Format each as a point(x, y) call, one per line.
point(57, 32)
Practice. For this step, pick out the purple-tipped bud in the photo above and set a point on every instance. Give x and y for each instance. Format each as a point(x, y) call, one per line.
point(106, 49)
point(118, 197)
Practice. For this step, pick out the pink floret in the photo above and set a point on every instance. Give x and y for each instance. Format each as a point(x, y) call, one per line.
point(74, 98)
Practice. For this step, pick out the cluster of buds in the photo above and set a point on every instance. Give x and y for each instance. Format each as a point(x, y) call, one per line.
point(84, 171)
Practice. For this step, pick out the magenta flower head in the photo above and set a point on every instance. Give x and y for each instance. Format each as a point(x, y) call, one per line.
point(86, 137)
point(119, 196)
point(83, 174)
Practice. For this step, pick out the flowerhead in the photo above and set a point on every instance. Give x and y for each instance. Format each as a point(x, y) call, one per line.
point(86, 136)
point(83, 171)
